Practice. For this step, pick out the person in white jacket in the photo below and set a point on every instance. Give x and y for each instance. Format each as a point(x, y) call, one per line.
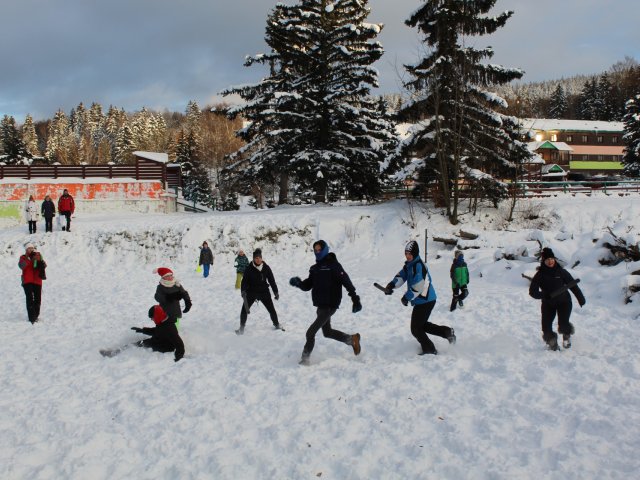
point(32, 214)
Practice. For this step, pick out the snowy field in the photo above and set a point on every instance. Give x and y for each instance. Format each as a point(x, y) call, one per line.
point(497, 405)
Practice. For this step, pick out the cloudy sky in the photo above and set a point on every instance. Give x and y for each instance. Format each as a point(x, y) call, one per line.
point(162, 53)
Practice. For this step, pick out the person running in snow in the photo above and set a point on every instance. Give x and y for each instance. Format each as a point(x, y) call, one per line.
point(48, 210)
point(168, 294)
point(161, 338)
point(326, 279)
point(459, 280)
point(66, 207)
point(33, 272)
point(206, 259)
point(241, 263)
point(31, 211)
point(549, 284)
point(421, 294)
point(256, 281)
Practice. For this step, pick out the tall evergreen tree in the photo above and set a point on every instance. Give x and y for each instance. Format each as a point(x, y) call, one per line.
point(13, 147)
point(588, 102)
point(631, 137)
point(321, 77)
point(457, 131)
point(29, 137)
point(558, 103)
point(196, 183)
point(60, 139)
point(125, 145)
point(605, 106)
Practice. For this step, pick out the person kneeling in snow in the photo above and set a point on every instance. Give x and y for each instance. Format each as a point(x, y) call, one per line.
point(163, 338)
point(168, 295)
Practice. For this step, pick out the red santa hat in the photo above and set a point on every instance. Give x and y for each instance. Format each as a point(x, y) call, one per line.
point(163, 271)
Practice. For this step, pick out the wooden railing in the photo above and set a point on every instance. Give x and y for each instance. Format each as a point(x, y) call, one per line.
point(138, 171)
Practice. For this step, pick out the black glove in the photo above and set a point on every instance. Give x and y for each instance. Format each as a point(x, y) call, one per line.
point(582, 301)
point(136, 329)
point(388, 290)
point(404, 301)
point(187, 307)
point(276, 296)
point(357, 306)
point(295, 282)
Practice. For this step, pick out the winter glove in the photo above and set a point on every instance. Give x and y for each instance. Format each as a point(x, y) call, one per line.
point(388, 290)
point(187, 307)
point(404, 301)
point(357, 306)
point(295, 282)
point(276, 296)
point(582, 301)
point(136, 329)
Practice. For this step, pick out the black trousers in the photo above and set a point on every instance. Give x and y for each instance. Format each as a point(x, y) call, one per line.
point(549, 311)
point(167, 332)
point(32, 226)
point(420, 326)
point(33, 293)
point(323, 321)
point(67, 215)
point(266, 301)
point(48, 224)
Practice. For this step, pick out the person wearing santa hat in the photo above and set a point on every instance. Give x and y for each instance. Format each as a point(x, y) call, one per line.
point(33, 272)
point(168, 294)
point(549, 284)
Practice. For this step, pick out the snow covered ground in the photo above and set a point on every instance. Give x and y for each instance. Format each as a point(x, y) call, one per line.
point(497, 405)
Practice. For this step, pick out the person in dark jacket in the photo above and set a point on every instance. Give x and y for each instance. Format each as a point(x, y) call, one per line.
point(549, 284)
point(168, 294)
point(459, 280)
point(66, 207)
point(206, 259)
point(256, 281)
point(326, 279)
point(421, 294)
point(241, 263)
point(48, 210)
point(160, 337)
point(33, 272)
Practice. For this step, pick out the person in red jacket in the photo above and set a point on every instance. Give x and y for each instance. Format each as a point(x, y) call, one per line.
point(66, 207)
point(33, 272)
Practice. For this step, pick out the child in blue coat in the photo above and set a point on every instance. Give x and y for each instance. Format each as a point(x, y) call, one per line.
point(422, 296)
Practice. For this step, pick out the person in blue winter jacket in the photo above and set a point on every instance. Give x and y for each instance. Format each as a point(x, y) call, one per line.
point(422, 296)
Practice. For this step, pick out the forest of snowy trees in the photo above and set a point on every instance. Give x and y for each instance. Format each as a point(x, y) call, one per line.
point(312, 126)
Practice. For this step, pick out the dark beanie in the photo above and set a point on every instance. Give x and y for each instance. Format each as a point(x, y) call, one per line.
point(547, 253)
point(257, 253)
point(412, 248)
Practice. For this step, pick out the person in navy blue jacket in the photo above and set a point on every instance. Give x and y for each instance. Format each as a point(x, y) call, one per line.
point(326, 279)
point(421, 294)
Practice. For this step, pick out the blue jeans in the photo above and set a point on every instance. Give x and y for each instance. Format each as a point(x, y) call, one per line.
point(205, 270)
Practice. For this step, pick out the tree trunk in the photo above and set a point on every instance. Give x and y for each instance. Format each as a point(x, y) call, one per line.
point(284, 188)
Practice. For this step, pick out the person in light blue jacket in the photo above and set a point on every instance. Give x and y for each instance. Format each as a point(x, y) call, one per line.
point(422, 296)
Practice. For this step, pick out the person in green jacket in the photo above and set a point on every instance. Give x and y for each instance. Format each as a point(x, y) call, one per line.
point(241, 264)
point(459, 280)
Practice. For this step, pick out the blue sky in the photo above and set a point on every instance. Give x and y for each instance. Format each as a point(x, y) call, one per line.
point(163, 53)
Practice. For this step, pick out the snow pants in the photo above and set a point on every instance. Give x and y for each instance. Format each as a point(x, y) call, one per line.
point(48, 224)
point(205, 270)
point(420, 326)
point(549, 311)
point(266, 301)
point(67, 215)
point(33, 294)
point(239, 276)
point(32, 226)
point(323, 321)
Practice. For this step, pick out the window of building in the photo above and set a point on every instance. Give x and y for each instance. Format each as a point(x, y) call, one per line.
point(599, 138)
point(569, 138)
point(585, 139)
point(554, 137)
point(600, 158)
point(614, 139)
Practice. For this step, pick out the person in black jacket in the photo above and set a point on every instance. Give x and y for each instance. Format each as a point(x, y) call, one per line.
point(168, 295)
point(326, 279)
point(549, 284)
point(206, 259)
point(48, 210)
point(256, 281)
